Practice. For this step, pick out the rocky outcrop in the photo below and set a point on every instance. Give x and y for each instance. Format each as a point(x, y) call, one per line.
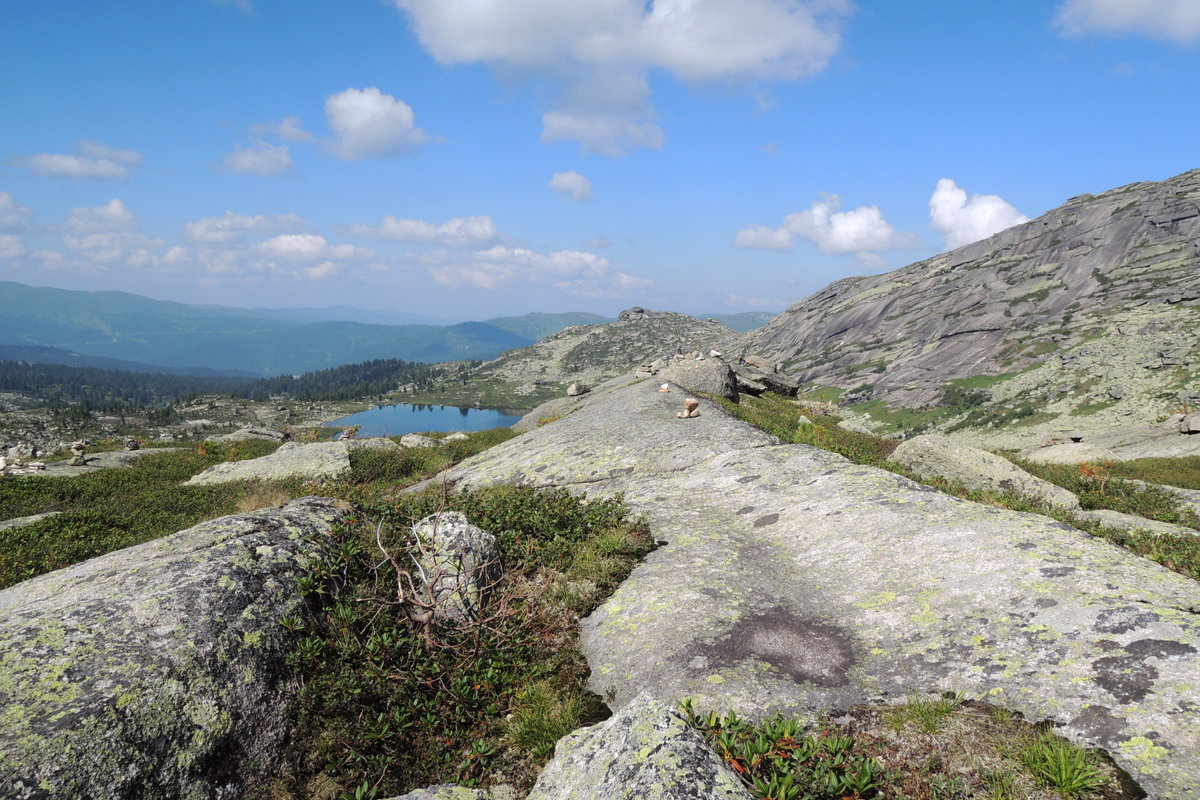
point(458, 563)
point(711, 375)
point(1132, 522)
point(792, 579)
point(156, 671)
point(933, 455)
point(644, 750)
point(291, 460)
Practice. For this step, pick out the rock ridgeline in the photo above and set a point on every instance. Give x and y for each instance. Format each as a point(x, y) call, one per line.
point(1102, 290)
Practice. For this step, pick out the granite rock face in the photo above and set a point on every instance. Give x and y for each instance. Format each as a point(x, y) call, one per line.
point(291, 460)
point(932, 455)
point(156, 671)
point(644, 750)
point(793, 580)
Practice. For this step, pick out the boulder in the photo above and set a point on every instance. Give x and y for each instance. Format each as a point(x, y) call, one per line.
point(792, 580)
point(1190, 424)
point(17, 522)
point(457, 436)
point(854, 426)
point(761, 364)
point(158, 671)
point(132, 444)
point(459, 564)
point(750, 386)
point(936, 455)
point(449, 791)
point(576, 389)
point(711, 375)
point(254, 432)
point(370, 443)
point(1069, 453)
point(646, 750)
point(417, 440)
point(291, 460)
point(1131, 522)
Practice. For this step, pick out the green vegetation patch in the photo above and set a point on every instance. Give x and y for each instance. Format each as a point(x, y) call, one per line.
point(392, 702)
point(943, 748)
point(116, 508)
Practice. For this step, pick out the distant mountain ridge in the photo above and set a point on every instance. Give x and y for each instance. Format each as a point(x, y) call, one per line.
point(166, 336)
point(1091, 310)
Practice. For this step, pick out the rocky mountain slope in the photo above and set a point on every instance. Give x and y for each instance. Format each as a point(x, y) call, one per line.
point(585, 354)
point(1088, 315)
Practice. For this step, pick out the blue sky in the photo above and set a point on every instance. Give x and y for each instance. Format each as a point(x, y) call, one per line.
point(465, 159)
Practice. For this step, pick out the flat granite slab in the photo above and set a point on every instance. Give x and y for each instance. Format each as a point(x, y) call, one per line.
point(793, 580)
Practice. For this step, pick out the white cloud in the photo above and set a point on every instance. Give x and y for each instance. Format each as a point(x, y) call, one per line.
point(964, 221)
point(302, 247)
point(259, 158)
point(601, 51)
point(13, 215)
point(113, 216)
point(572, 185)
point(233, 227)
point(289, 128)
point(860, 230)
point(760, 237)
point(94, 161)
point(456, 232)
point(572, 271)
point(1177, 20)
point(128, 247)
point(11, 246)
point(371, 124)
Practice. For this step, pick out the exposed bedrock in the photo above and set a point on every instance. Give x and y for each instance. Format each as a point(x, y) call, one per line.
point(156, 671)
point(793, 579)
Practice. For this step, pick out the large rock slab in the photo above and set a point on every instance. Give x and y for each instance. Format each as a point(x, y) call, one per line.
point(793, 579)
point(156, 671)
point(291, 460)
point(645, 750)
point(934, 455)
point(710, 375)
point(1131, 522)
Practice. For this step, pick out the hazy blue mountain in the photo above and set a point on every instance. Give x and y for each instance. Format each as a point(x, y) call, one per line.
point(123, 326)
point(538, 326)
point(38, 354)
point(371, 316)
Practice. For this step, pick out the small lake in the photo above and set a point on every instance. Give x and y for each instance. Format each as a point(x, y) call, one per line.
point(402, 418)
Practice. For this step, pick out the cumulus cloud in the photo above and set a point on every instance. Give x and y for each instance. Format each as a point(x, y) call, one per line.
point(234, 227)
point(860, 230)
point(259, 158)
point(455, 232)
point(111, 217)
point(302, 247)
point(11, 246)
point(94, 160)
point(13, 215)
point(575, 272)
point(289, 129)
point(601, 51)
point(572, 185)
point(370, 124)
point(1177, 20)
point(962, 220)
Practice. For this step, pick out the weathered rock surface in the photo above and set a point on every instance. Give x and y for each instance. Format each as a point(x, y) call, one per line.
point(291, 460)
point(1130, 522)
point(710, 375)
point(17, 522)
point(793, 579)
point(646, 750)
point(243, 434)
point(1069, 453)
point(459, 565)
point(933, 455)
point(448, 791)
point(155, 671)
point(417, 440)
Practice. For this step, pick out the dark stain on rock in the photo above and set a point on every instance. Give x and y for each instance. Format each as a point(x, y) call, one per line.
point(1160, 648)
point(1056, 572)
point(748, 478)
point(1123, 619)
point(1127, 678)
point(1100, 720)
point(806, 650)
point(1026, 546)
point(744, 510)
point(767, 519)
point(542, 468)
point(1045, 602)
point(622, 471)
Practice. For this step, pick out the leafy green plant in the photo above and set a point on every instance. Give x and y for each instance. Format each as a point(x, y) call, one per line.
point(777, 760)
point(925, 714)
point(1061, 765)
